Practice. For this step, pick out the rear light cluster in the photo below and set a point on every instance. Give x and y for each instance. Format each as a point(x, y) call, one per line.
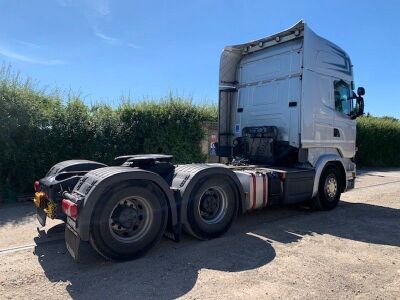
point(36, 186)
point(70, 208)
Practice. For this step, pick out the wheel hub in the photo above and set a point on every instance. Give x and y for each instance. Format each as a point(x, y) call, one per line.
point(331, 187)
point(213, 205)
point(210, 204)
point(129, 219)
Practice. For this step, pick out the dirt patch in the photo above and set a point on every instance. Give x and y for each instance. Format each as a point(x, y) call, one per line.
point(352, 251)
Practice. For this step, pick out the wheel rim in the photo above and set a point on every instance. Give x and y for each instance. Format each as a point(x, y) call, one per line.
point(331, 187)
point(213, 205)
point(130, 219)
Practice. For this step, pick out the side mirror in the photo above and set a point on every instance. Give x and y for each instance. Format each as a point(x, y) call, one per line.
point(360, 100)
point(359, 108)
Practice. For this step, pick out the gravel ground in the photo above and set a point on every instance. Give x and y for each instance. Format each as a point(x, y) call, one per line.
point(288, 252)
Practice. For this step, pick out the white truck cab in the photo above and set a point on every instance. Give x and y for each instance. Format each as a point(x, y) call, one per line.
point(298, 84)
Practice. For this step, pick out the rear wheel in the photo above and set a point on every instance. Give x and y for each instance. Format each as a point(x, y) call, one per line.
point(329, 189)
point(212, 207)
point(128, 222)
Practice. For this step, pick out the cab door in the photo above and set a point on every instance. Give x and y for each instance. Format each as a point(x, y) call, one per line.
point(344, 128)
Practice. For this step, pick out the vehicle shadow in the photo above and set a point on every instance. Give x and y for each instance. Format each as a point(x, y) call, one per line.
point(168, 271)
point(360, 222)
point(171, 269)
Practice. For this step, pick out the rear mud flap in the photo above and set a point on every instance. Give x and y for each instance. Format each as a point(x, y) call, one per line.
point(175, 233)
point(41, 216)
point(72, 241)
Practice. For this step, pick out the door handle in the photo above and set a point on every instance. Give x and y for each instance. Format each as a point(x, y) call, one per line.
point(336, 132)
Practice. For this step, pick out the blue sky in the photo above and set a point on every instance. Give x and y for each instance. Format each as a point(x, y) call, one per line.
point(105, 49)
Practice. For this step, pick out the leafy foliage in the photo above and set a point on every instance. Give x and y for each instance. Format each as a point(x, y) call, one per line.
point(39, 129)
point(378, 142)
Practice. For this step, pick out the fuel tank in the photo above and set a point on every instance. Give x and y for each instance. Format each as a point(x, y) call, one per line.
point(255, 187)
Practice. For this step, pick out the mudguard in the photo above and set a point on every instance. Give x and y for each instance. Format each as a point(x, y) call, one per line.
point(320, 165)
point(63, 177)
point(74, 165)
point(188, 176)
point(97, 182)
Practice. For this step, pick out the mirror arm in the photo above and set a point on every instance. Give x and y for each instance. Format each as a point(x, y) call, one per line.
point(360, 105)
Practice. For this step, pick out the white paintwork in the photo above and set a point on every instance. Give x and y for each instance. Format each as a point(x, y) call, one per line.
point(268, 80)
point(318, 114)
point(295, 65)
point(228, 77)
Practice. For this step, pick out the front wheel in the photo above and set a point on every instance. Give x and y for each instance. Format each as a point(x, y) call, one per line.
point(128, 222)
point(212, 207)
point(329, 189)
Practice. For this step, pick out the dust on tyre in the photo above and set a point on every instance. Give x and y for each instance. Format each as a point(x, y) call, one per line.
point(212, 207)
point(128, 222)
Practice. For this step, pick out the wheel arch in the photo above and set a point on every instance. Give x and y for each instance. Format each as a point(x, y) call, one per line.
point(187, 178)
point(320, 165)
point(74, 165)
point(104, 180)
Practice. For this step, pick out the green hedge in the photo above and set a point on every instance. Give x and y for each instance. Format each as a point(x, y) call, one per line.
point(39, 129)
point(378, 142)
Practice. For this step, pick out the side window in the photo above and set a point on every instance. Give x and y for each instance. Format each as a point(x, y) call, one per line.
point(325, 90)
point(342, 97)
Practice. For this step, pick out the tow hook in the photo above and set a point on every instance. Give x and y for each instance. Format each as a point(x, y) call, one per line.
point(50, 210)
point(40, 200)
point(49, 207)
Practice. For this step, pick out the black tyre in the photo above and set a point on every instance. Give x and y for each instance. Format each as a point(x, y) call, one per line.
point(329, 189)
point(212, 207)
point(129, 222)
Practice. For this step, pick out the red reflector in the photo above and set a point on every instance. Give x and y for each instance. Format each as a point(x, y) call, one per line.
point(70, 208)
point(36, 186)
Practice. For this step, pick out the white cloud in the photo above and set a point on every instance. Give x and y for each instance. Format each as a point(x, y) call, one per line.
point(113, 40)
point(95, 11)
point(28, 59)
point(108, 39)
